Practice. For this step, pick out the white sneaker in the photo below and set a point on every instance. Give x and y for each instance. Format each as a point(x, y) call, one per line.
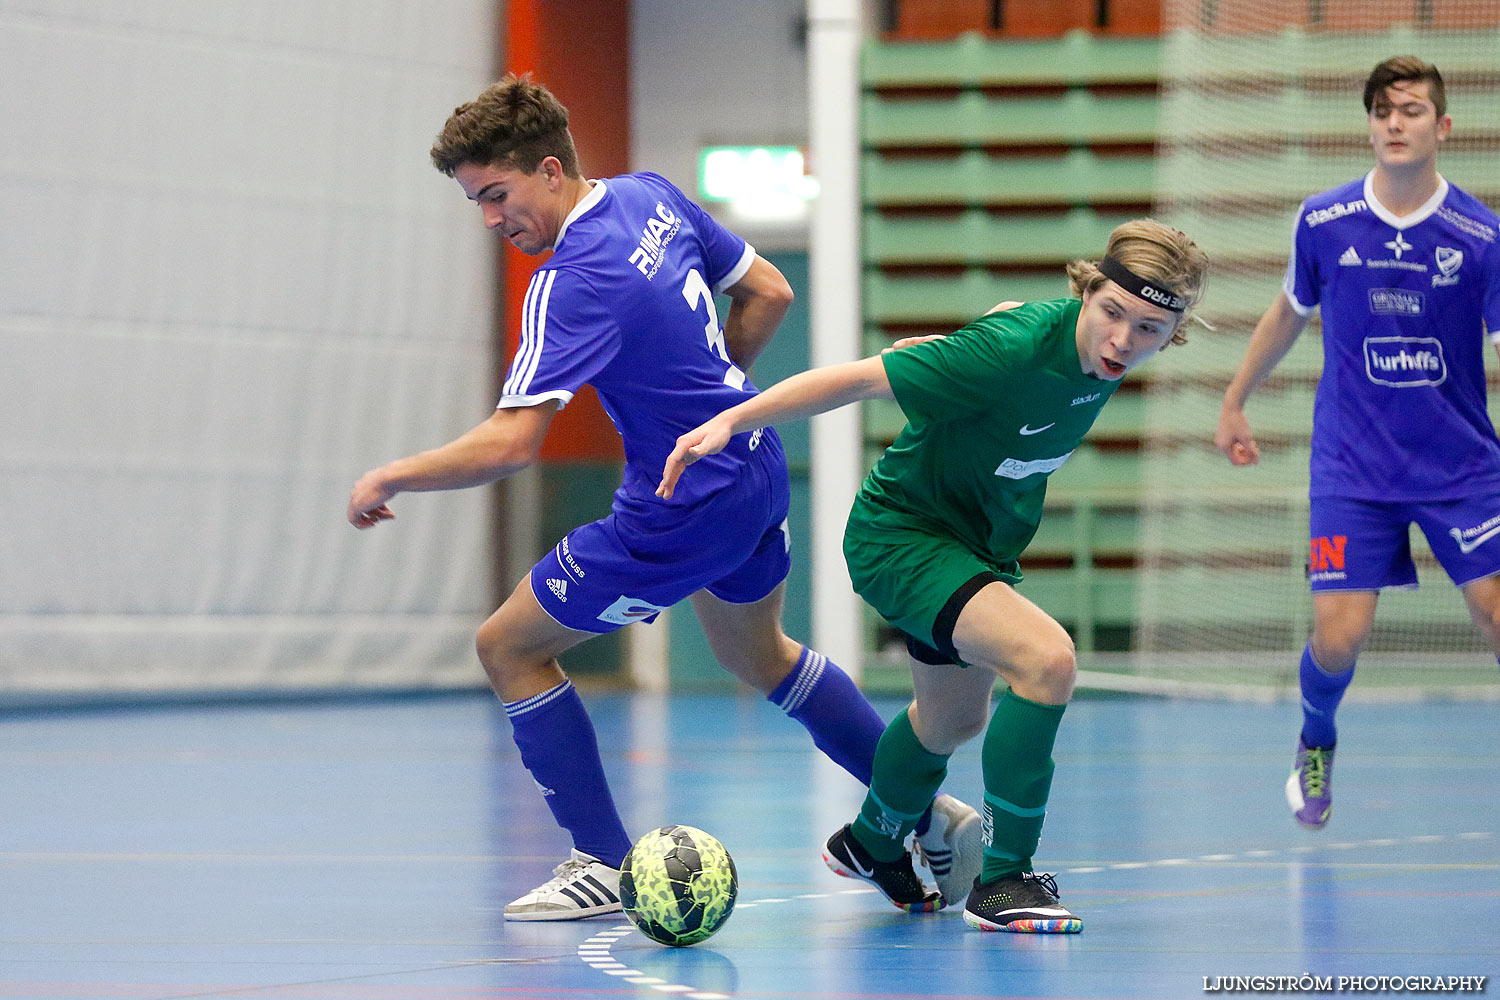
point(952, 848)
point(582, 886)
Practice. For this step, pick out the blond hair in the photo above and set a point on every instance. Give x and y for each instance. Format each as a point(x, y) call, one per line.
point(1155, 252)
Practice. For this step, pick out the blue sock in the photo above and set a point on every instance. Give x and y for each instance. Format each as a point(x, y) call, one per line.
point(1321, 693)
point(559, 748)
point(843, 724)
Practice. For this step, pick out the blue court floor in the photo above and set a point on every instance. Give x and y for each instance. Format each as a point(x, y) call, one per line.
point(364, 850)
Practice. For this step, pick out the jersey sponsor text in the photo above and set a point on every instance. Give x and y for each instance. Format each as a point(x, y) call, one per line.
point(1469, 539)
point(1318, 216)
point(629, 609)
point(658, 232)
point(1471, 226)
point(1015, 468)
point(1397, 302)
point(1405, 362)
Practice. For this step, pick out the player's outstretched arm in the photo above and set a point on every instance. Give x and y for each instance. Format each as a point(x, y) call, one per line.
point(803, 395)
point(503, 445)
point(1274, 336)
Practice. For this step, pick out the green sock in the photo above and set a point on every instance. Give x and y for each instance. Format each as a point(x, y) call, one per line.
point(1017, 761)
point(907, 776)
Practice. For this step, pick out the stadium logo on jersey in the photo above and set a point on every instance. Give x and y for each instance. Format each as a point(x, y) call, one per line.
point(1469, 539)
point(629, 609)
point(1350, 258)
point(1398, 245)
point(1448, 261)
point(1405, 362)
point(1397, 302)
point(1086, 399)
point(655, 236)
point(560, 588)
point(1321, 215)
point(1015, 468)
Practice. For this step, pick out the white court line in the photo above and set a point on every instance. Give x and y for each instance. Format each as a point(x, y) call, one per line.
point(1342, 845)
point(595, 952)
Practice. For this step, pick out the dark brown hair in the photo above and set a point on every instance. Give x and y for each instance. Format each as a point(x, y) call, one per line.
point(515, 123)
point(1398, 69)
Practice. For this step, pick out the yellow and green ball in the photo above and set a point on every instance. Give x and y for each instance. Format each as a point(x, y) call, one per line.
point(678, 885)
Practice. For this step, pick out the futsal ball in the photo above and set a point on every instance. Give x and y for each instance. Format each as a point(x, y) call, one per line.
point(678, 885)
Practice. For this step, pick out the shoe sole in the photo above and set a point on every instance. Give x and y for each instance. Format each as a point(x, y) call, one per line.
point(839, 868)
point(1070, 925)
point(563, 914)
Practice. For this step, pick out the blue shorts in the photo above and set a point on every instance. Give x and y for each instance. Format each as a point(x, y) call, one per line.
point(636, 562)
point(1366, 544)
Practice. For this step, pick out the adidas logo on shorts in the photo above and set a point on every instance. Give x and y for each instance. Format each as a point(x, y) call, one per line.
point(560, 588)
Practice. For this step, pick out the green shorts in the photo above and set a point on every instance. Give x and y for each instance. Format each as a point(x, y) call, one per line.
point(907, 570)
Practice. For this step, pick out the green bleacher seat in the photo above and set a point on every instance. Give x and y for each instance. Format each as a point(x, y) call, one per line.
point(972, 60)
point(979, 237)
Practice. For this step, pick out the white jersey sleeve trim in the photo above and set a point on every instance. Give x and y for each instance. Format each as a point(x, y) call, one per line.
point(510, 401)
point(1289, 279)
point(738, 271)
point(1297, 307)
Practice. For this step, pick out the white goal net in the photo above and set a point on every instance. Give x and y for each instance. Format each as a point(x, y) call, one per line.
point(1261, 107)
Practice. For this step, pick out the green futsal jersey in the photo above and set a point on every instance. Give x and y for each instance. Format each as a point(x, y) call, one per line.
point(992, 410)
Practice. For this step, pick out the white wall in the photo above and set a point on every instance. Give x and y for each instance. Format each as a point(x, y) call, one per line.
point(230, 281)
point(717, 72)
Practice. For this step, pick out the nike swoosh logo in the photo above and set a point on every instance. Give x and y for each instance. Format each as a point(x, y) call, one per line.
point(863, 871)
point(1475, 542)
point(1027, 431)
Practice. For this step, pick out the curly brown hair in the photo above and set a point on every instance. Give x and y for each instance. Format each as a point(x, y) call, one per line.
point(516, 123)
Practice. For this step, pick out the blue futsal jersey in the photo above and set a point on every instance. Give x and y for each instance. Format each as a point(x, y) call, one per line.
point(1400, 410)
point(626, 304)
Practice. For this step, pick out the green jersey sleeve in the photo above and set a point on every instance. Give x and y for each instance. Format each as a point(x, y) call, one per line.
point(963, 373)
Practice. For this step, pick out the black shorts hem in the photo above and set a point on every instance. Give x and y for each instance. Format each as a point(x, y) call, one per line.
point(942, 652)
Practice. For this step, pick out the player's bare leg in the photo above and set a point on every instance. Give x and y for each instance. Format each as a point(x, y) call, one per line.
point(518, 646)
point(747, 639)
point(1341, 623)
point(1483, 599)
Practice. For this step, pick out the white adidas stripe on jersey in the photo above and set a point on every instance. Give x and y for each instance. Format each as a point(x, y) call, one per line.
point(533, 333)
